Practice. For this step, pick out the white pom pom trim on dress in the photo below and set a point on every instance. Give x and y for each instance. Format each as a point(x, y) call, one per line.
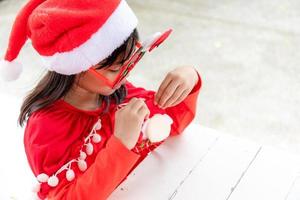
point(87, 149)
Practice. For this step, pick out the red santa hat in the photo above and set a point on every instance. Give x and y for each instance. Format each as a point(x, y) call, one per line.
point(70, 35)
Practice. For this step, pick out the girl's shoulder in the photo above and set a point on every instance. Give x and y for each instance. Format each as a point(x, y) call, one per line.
point(56, 122)
point(53, 136)
point(49, 116)
point(61, 112)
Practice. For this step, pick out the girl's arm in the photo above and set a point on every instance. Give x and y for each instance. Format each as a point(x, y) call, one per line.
point(111, 166)
point(182, 114)
point(49, 145)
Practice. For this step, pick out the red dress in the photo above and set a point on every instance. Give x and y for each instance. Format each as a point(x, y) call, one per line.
point(55, 137)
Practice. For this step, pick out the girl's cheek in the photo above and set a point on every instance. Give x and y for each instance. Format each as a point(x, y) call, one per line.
point(111, 75)
point(93, 84)
point(88, 82)
point(98, 86)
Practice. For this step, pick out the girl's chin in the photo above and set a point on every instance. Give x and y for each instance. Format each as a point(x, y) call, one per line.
point(108, 92)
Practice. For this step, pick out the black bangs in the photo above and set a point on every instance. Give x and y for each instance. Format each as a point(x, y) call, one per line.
point(124, 51)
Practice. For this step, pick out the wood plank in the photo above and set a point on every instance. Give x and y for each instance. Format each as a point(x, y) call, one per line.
point(163, 170)
point(271, 176)
point(294, 193)
point(221, 170)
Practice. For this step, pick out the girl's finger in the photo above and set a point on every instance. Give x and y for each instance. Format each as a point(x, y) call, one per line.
point(168, 92)
point(144, 111)
point(131, 102)
point(137, 105)
point(128, 104)
point(179, 90)
point(161, 88)
point(181, 98)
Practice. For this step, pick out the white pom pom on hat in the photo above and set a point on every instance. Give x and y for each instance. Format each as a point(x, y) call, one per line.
point(10, 71)
point(101, 27)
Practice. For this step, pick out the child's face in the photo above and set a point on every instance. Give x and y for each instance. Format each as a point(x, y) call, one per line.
point(91, 83)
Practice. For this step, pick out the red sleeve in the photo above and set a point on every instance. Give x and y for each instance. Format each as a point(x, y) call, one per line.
point(111, 166)
point(184, 113)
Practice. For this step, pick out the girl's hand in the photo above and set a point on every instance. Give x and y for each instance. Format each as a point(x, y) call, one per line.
point(176, 86)
point(129, 120)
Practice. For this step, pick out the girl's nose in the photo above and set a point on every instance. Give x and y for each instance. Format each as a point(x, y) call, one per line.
point(121, 83)
point(124, 80)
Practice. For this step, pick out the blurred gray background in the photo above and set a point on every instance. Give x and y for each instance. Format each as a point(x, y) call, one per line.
point(247, 52)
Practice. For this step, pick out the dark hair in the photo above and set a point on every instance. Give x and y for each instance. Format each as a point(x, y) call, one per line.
point(54, 86)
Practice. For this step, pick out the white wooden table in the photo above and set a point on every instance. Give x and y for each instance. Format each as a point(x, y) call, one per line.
point(199, 164)
point(204, 164)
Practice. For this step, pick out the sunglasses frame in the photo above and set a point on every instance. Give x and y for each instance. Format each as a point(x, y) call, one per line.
point(153, 42)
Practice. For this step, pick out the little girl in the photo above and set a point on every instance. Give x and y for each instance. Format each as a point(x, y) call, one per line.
point(84, 131)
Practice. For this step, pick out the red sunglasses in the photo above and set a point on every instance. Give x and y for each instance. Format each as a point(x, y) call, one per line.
point(140, 50)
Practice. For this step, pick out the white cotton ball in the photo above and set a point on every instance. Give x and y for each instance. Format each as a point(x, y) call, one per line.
point(98, 125)
point(158, 128)
point(35, 196)
point(96, 138)
point(36, 188)
point(53, 181)
point(70, 175)
point(42, 178)
point(82, 155)
point(89, 149)
point(168, 119)
point(82, 165)
point(10, 71)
